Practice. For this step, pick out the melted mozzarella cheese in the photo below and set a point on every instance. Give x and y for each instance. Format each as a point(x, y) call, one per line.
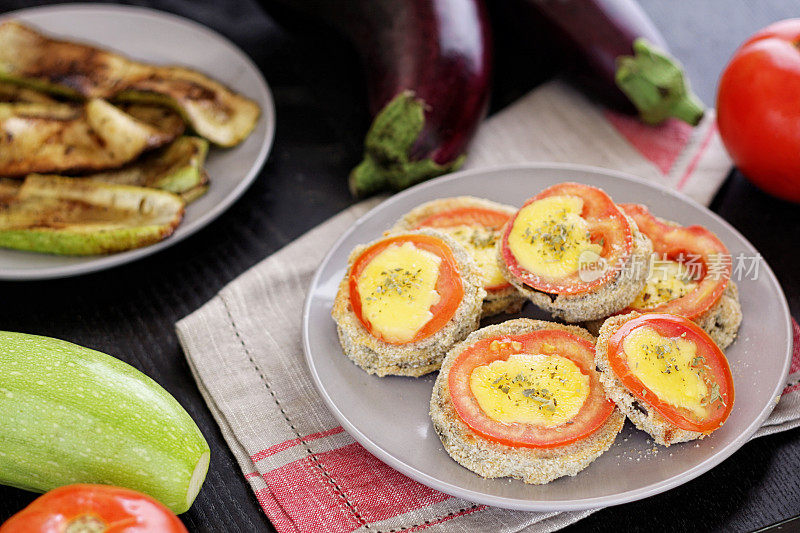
point(549, 238)
point(480, 243)
point(668, 281)
point(668, 367)
point(398, 289)
point(543, 390)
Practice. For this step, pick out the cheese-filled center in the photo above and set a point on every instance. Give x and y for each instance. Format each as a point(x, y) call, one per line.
point(549, 238)
point(480, 243)
point(670, 367)
point(398, 289)
point(668, 280)
point(542, 390)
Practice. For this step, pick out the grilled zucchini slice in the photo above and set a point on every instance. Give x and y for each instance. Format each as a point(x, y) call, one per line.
point(176, 168)
point(77, 216)
point(11, 92)
point(79, 70)
point(195, 192)
point(161, 118)
point(8, 189)
point(65, 138)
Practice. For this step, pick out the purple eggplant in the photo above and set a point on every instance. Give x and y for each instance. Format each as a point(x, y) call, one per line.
point(428, 65)
point(624, 54)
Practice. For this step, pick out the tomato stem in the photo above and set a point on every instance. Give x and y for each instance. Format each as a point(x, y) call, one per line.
point(86, 523)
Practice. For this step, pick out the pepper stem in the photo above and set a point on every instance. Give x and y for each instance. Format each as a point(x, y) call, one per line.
point(386, 162)
point(656, 84)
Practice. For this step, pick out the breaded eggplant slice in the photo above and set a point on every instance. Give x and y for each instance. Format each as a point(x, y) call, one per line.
point(642, 415)
point(722, 319)
point(177, 168)
point(376, 356)
point(82, 71)
point(501, 298)
point(491, 459)
point(628, 281)
point(76, 216)
point(61, 138)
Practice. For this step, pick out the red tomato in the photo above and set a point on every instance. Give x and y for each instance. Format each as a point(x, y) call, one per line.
point(448, 284)
point(593, 414)
point(713, 368)
point(758, 112)
point(607, 226)
point(470, 216)
point(676, 242)
point(94, 508)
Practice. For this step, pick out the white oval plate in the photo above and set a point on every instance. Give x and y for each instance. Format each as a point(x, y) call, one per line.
point(389, 416)
point(159, 38)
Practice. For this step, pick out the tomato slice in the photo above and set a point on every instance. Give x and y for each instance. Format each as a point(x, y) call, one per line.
point(467, 216)
point(678, 243)
point(448, 284)
point(94, 508)
point(713, 369)
point(607, 226)
point(592, 415)
point(491, 219)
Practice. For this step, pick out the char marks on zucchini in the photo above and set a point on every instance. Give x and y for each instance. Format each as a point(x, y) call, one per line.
point(77, 216)
point(82, 71)
point(71, 138)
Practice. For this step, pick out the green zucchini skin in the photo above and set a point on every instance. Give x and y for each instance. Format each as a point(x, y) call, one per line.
point(75, 415)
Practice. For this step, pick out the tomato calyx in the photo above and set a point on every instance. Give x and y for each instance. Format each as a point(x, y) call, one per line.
point(607, 227)
point(685, 244)
point(448, 284)
point(594, 412)
point(709, 363)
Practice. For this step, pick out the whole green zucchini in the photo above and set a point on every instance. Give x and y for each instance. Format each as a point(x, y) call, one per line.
point(75, 415)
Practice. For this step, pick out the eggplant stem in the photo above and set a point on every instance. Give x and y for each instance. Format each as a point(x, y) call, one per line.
point(387, 163)
point(655, 83)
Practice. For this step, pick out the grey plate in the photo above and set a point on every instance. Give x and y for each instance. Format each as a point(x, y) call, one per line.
point(389, 416)
point(160, 38)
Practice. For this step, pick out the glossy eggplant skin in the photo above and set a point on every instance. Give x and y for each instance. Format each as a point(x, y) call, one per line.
point(426, 56)
point(602, 31)
point(619, 53)
point(440, 50)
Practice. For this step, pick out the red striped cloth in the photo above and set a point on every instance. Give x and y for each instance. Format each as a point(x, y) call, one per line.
point(556, 123)
point(245, 350)
point(346, 488)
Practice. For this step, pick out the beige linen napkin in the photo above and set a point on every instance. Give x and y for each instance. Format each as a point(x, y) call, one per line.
point(244, 346)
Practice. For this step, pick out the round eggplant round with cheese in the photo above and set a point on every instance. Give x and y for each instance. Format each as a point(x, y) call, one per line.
point(666, 374)
point(522, 399)
point(405, 300)
point(689, 276)
point(573, 252)
point(477, 225)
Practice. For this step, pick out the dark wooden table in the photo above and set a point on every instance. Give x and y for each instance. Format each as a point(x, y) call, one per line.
point(318, 87)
